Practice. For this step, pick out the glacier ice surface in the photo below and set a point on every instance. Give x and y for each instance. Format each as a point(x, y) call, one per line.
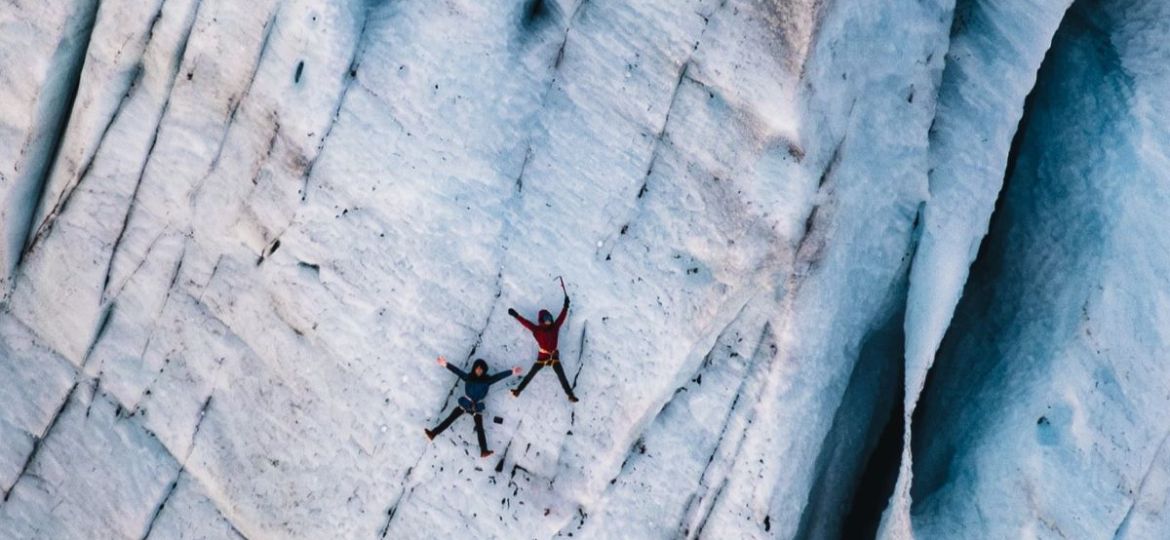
point(235, 235)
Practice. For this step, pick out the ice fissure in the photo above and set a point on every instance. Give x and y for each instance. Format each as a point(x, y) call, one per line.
point(134, 78)
point(38, 440)
point(994, 386)
point(53, 107)
point(837, 269)
point(366, 9)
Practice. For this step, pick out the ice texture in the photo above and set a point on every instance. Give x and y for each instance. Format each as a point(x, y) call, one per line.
point(1053, 369)
point(994, 52)
point(237, 234)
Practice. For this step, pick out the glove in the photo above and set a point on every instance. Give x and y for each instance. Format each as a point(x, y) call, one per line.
point(512, 312)
point(566, 301)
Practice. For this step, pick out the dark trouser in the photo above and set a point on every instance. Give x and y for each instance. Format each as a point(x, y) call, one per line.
point(479, 432)
point(455, 414)
point(555, 360)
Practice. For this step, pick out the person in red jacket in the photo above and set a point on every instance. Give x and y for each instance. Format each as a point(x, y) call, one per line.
point(546, 333)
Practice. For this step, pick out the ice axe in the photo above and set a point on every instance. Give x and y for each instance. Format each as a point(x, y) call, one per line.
point(562, 280)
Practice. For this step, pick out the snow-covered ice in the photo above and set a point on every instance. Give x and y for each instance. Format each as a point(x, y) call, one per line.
point(237, 234)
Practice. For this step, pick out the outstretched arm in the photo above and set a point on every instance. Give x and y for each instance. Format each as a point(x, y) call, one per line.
point(564, 313)
point(458, 372)
point(527, 323)
point(504, 375)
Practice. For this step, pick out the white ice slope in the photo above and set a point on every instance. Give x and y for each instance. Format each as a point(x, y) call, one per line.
point(236, 235)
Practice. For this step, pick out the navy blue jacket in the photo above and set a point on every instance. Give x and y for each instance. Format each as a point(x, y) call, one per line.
point(476, 388)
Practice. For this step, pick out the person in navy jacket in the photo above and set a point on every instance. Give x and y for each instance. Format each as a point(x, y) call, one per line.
point(475, 389)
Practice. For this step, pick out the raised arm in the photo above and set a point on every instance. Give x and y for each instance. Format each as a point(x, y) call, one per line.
point(564, 312)
point(499, 377)
point(504, 375)
point(527, 323)
point(450, 367)
point(458, 372)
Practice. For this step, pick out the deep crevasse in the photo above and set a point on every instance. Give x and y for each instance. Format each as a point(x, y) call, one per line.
point(994, 52)
point(1032, 409)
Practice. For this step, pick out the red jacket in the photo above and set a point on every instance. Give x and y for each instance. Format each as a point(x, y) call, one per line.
point(546, 335)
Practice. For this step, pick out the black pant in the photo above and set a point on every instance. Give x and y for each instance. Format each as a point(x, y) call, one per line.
point(556, 365)
point(455, 414)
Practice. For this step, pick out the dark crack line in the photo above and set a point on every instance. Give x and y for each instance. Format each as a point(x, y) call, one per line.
point(203, 289)
point(163, 504)
point(350, 76)
point(572, 411)
point(268, 251)
point(523, 167)
point(516, 199)
point(580, 354)
point(556, 66)
point(103, 324)
point(808, 250)
point(97, 388)
point(834, 161)
point(478, 337)
point(1124, 525)
point(257, 169)
point(389, 517)
point(210, 314)
point(72, 85)
point(638, 447)
point(257, 175)
point(180, 463)
point(154, 326)
point(66, 194)
point(403, 493)
point(695, 504)
point(573, 386)
point(141, 263)
point(167, 497)
point(269, 26)
point(661, 139)
point(38, 441)
point(386, 103)
point(707, 515)
point(79, 374)
point(202, 415)
point(181, 53)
